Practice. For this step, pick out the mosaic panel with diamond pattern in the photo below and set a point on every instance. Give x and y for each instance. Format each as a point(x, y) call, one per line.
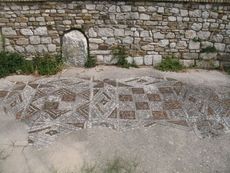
point(52, 107)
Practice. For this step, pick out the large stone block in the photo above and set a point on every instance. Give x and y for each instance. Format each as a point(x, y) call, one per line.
point(148, 59)
point(138, 60)
point(194, 45)
point(208, 56)
point(74, 48)
point(157, 59)
point(187, 63)
point(220, 46)
point(26, 32)
point(196, 26)
point(158, 35)
point(190, 56)
point(8, 31)
point(105, 32)
point(41, 31)
point(35, 40)
point(204, 35)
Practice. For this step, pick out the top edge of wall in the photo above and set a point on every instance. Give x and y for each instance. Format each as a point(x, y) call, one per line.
point(175, 1)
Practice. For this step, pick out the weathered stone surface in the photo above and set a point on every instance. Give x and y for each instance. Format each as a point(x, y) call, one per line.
point(205, 14)
point(190, 56)
point(182, 45)
point(184, 12)
point(130, 59)
point(195, 13)
point(204, 35)
point(26, 32)
point(207, 64)
point(128, 40)
point(208, 56)
point(217, 38)
point(30, 49)
point(92, 32)
point(125, 8)
point(148, 47)
point(172, 45)
point(138, 60)
point(105, 32)
point(172, 18)
point(41, 31)
point(8, 31)
point(163, 43)
point(205, 44)
point(46, 40)
point(75, 48)
point(119, 32)
point(196, 26)
point(158, 35)
point(170, 35)
point(157, 59)
point(187, 63)
point(144, 34)
point(220, 46)
point(22, 41)
point(19, 49)
point(160, 10)
point(148, 59)
point(51, 47)
point(194, 45)
point(190, 34)
point(35, 40)
point(41, 49)
point(144, 16)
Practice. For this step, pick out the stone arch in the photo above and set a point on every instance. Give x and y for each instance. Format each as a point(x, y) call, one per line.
point(75, 48)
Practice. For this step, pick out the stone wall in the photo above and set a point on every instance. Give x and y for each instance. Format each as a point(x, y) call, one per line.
point(149, 30)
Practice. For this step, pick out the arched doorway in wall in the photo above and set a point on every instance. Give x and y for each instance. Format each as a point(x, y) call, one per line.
point(75, 48)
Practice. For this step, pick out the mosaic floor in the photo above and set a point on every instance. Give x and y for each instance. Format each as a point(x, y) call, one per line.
point(53, 107)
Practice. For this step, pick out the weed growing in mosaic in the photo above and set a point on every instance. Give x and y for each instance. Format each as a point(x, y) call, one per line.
point(170, 63)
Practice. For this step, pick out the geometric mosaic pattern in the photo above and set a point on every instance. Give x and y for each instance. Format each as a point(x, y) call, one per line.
point(53, 107)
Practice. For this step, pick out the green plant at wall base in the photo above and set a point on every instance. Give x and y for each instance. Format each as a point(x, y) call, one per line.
point(227, 70)
point(170, 63)
point(120, 54)
point(209, 49)
point(90, 62)
point(13, 63)
point(48, 65)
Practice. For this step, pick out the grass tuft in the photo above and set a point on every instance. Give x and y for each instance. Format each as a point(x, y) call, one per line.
point(48, 64)
point(120, 54)
point(14, 63)
point(90, 62)
point(170, 63)
point(117, 165)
